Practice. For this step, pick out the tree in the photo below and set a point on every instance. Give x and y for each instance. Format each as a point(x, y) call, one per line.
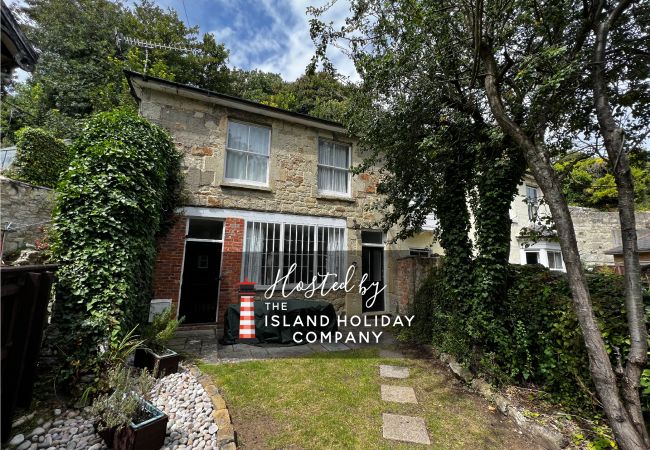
point(588, 182)
point(80, 69)
point(527, 68)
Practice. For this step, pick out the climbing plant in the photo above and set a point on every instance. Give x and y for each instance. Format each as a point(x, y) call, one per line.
point(120, 190)
point(40, 159)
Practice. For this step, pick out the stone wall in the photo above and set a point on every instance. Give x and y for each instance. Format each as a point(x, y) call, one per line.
point(24, 211)
point(598, 231)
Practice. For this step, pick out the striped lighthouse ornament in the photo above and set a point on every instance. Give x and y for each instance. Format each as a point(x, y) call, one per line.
point(247, 311)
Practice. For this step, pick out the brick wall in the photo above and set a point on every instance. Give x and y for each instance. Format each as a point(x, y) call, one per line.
point(411, 273)
point(233, 245)
point(169, 263)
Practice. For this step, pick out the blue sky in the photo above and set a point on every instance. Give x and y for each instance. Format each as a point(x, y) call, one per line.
point(270, 35)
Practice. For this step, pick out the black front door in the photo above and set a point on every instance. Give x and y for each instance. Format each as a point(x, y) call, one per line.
point(372, 264)
point(200, 287)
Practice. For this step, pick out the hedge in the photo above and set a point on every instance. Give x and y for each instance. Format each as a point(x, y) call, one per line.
point(40, 158)
point(121, 188)
point(536, 338)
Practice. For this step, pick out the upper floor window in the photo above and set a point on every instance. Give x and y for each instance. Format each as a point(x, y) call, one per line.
point(533, 202)
point(247, 153)
point(333, 167)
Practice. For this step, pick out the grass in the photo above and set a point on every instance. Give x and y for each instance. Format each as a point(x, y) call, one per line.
point(333, 400)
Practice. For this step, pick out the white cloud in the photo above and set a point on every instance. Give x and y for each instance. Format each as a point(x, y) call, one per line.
point(283, 45)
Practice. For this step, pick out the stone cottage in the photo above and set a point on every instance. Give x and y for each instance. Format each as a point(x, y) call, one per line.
point(266, 189)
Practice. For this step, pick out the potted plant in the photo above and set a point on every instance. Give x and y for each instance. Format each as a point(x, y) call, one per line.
point(126, 420)
point(154, 354)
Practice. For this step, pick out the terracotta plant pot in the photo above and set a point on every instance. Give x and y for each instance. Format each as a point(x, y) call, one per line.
point(167, 363)
point(148, 434)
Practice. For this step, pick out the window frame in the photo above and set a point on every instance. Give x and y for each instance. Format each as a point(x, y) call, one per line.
point(548, 257)
point(536, 252)
point(314, 257)
point(348, 171)
point(532, 207)
point(247, 153)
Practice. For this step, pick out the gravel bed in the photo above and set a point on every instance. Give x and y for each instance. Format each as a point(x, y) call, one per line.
point(179, 395)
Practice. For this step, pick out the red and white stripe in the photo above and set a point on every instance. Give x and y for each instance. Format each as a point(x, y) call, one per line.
point(247, 317)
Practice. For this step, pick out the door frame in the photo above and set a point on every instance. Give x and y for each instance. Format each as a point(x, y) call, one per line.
point(213, 241)
point(385, 272)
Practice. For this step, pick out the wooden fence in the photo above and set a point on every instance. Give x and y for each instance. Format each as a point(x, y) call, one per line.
point(25, 295)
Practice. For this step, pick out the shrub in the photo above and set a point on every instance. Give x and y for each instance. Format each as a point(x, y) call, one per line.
point(40, 159)
point(161, 330)
point(119, 192)
point(535, 337)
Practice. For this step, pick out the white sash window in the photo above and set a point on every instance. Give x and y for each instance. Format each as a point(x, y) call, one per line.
point(333, 167)
point(247, 153)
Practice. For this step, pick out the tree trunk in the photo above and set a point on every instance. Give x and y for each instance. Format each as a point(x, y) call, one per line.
point(613, 137)
point(600, 366)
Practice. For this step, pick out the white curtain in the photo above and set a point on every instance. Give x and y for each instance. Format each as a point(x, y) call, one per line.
point(254, 249)
point(333, 160)
point(245, 143)
point(334, 251)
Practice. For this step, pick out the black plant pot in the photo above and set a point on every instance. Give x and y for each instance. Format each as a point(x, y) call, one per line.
point(145, 358)
point(148, 434)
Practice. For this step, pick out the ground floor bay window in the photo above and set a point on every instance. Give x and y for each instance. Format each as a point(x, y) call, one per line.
point(297, 250)
point(546, 253)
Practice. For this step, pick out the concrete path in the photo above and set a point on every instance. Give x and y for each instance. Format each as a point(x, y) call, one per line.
point(204, 345)
point(397, 427)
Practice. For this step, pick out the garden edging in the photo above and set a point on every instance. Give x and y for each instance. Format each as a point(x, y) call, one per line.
point(226, 436)
point(551, 439)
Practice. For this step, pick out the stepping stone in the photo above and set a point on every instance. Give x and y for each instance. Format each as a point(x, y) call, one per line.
point(393, 371)
point(399, 394)
point(392, 354)
point(405, 428)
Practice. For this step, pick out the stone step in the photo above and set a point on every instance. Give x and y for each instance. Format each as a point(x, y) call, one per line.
point(399, 394)
point(388, 371)
point(405, 429)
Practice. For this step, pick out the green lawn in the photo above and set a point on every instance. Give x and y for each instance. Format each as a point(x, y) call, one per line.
point(332, 400)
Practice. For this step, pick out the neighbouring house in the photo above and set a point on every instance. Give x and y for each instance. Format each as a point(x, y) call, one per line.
point(643, 241)
point(17, 51)
point(266, 188)
point(596, 231)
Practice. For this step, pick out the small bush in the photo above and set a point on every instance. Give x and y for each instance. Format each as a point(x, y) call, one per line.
point(536, 337)
point(40, 159)
point(118, 194)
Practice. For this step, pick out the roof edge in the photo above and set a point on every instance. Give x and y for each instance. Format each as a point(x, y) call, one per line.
point(232, 101)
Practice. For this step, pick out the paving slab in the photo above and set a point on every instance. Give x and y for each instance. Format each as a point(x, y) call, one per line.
point(387, 371)
point(405, 428)
point(399, 394)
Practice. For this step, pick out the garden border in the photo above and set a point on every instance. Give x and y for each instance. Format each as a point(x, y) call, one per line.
point(552, 439)
point(226, 435)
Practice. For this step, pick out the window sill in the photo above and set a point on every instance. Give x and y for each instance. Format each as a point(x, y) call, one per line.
point(339, 198)
point(253, 187)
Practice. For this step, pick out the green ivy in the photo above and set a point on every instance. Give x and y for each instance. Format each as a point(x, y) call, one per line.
point(535, 338)
point(119, 193)
point(40, 159)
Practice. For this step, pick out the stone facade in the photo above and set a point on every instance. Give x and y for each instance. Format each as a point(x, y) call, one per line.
point(198, 123)
point(25, 209)
point(596, 231)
